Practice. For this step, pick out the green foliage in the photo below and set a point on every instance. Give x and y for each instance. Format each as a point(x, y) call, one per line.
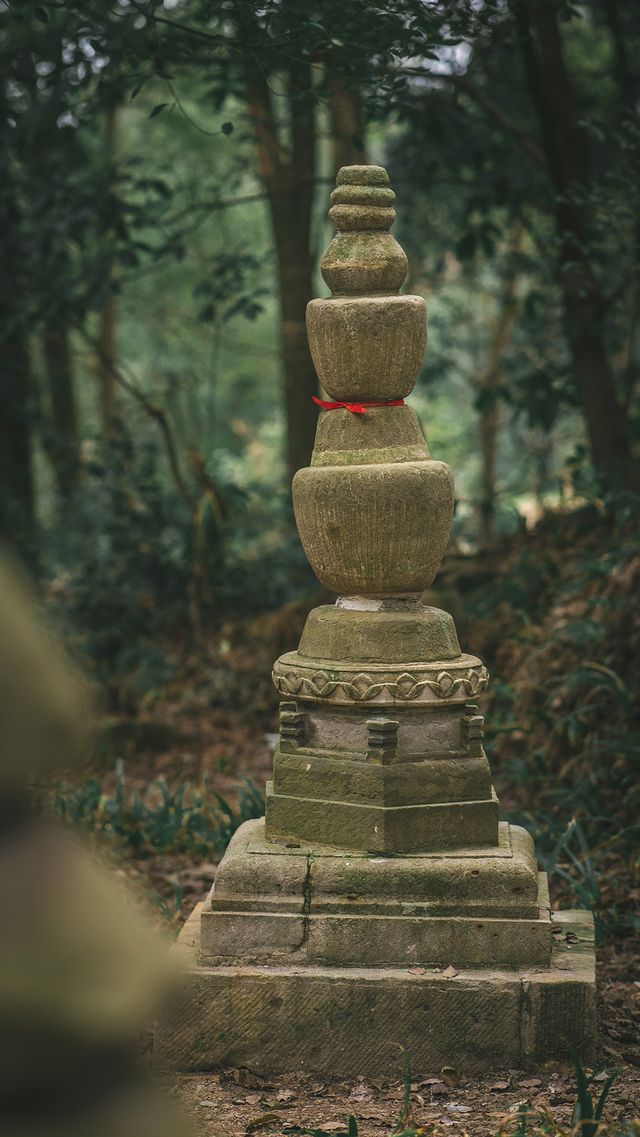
point(140, 570)
point(563, 730)
point(120, 575)
point(178, 819)
point(587, 1114)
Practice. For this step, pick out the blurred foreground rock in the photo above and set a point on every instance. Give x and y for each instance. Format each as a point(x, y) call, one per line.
point(82, 971)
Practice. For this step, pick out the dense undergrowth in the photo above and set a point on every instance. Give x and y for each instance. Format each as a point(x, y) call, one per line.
point(555, 616)
point(184, 818)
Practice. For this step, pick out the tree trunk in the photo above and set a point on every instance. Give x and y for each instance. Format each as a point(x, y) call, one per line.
point(106, 360)
point(567, 150)
point(107, 354)
point(488, 387)
point(65, 451)
point(489, 430)
point(16, 476)
point(347, 124)
point(288, 181)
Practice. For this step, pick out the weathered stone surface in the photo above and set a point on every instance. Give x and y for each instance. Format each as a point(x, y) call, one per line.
point(499, 880)
point(367, 348)
point(362, 256)
point(403, 634)
point(311, 905)
point(377, 529)
point(401, 829)
point(305, 774)
point(382, 435)
point(349, 1021)
point(559, 1009)
point(342, 731)
point(446, 682)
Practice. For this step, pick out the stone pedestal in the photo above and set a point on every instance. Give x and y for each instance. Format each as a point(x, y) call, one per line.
point(380, 901)
point(348, 1021)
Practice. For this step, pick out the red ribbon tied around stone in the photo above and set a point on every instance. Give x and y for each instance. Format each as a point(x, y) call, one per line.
point(355, 408)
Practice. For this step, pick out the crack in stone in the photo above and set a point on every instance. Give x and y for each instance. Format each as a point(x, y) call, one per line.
point(306, 902)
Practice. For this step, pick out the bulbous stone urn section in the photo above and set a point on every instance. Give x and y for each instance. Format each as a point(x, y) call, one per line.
point(368, 347)
point(378, 529)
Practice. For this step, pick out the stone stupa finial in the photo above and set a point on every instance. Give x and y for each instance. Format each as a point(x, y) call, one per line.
point(363, 256)
point(379, 528)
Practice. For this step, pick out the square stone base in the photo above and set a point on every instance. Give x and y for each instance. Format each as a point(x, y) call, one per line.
point(287, 904)
point(345, 1021)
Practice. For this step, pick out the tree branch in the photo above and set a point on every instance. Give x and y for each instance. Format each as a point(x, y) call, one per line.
point(152, 410)
point(495, 112)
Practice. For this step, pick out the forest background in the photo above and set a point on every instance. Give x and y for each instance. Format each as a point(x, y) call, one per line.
point(165, 170)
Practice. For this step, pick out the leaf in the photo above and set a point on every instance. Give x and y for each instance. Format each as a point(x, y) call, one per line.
point(438, 1089)
point(263, 1120)
point(450, 1076)
point(530, 1083)
point(158, 110)
point(450, 972)
point(499, 1087)
point(244, 1077)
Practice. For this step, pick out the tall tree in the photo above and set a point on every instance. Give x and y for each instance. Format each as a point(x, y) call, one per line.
point(567, 150)
point(288, 178)
point(533, 121)
point(489, 388)
point(65, 448)
point(106, 358)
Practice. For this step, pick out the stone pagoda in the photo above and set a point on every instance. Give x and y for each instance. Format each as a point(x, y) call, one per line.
point(381, 901)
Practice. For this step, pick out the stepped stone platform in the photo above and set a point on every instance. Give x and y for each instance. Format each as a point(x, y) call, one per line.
point(380, 902)
point(345, 1021)
point(323, 906)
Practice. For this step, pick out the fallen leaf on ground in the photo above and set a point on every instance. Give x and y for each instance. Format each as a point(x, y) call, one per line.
point(517, 1106)
point(245, 1078)
point(262, 1121)
point(499, 1087)
point(530, 1083)
point(439, 1088)
point(450, 1076)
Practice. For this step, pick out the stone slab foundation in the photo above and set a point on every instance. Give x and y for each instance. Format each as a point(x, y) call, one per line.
point(346, 1021)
